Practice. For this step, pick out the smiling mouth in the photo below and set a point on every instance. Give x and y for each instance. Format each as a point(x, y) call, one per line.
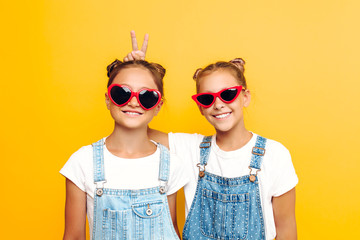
point(132, 113)
point(221, 116)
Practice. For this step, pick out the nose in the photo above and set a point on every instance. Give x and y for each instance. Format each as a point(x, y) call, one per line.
point(218, 104)
point(133, 102)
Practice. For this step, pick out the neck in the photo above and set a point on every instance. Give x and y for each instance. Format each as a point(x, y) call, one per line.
point(233, 139)
point(130, 143)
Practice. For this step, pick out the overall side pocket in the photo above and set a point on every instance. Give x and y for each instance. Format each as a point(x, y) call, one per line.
point(224, 216)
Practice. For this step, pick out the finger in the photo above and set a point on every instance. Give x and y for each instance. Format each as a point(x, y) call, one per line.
point(138, 55)
point(133, 40)
point(126, 59)
point(145, 43)
point(135, 55)
point(130, 57)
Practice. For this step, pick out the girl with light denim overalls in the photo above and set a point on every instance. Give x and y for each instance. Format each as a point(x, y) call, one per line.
point(134, 97)
point(254, 197)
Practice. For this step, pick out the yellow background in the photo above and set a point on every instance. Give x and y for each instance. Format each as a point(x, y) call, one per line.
point(302, 68)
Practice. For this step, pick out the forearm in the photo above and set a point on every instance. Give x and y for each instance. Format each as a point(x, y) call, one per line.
point(284, 216)
point(172, 208)
point(287, 231)
point(71, 237)
point(75, 213)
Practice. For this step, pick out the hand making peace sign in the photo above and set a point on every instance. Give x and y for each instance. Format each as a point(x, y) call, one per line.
point(137, 54)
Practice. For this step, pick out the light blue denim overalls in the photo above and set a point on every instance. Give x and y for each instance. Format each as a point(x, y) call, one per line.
point(226, 208)
point(131, 214)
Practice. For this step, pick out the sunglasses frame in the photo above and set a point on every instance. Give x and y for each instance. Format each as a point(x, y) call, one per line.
point(217, 95)
point(133, 94)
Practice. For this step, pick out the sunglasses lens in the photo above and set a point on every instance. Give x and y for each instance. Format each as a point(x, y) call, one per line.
point(148, 99)
point(120, 95)
point(229, 94)
point(205, 99)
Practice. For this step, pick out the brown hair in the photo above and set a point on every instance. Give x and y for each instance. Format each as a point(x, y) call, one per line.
point(156, 70)
point(235, 67)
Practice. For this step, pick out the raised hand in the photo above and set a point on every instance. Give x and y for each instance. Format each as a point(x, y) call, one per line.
point(137, 54)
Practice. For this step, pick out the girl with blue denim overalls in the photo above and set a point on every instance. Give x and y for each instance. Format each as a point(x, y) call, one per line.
point(242, 186)
point(134, 97)
point(233, 186)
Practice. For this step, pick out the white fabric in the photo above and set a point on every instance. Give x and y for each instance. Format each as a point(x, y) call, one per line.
point(277, 175)
point(121, 173)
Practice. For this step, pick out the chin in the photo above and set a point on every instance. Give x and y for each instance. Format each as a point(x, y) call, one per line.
point(132, 125)
point(222, 127)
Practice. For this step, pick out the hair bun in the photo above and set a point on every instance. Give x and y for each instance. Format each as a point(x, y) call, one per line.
point(112, 66)
point(160, 69)
point(196, 74)
point(239, 63)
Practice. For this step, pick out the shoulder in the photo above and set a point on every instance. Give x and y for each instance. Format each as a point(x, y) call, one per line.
point(159, 137)
point(82, 154)
point(79, 159)
point(185, 137)
point(79, 167)
point(274, 148)
point(277, 156)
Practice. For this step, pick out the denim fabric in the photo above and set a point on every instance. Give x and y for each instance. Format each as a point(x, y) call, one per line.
point(131, 214)
point(226, 208)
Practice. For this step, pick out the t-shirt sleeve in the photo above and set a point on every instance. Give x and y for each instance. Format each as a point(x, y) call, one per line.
point(179, 175)
point(75, 169)
point(182, 144)
point(285, 177)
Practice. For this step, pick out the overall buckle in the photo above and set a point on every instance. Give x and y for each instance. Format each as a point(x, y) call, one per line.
point(258, 151)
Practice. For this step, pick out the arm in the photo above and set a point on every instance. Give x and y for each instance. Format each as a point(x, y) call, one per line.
point(284, 214)
point(172, 206)
point(75, 212)
point(137, 54)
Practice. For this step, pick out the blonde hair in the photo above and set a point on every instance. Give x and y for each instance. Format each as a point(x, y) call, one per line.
point(235, 67)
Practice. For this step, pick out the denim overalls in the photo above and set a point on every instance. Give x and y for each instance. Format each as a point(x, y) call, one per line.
point(226, 208)
point(131, 214)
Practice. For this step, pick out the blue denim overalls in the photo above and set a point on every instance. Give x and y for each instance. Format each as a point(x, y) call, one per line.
point(131, 214)
point(226, 208)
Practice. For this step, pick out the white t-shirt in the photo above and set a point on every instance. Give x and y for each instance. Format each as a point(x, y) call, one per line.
point(277, 175)
point(121, 173)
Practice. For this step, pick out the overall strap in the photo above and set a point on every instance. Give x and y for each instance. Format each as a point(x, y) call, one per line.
point(205, 147)
point(164, 168)
point(258, 152)
point(98, 158)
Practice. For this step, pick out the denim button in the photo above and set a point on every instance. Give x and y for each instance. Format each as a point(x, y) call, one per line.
point(162, 190)
point(252, 178)
point(201, 174)
point(99, 192)
point(149, 212)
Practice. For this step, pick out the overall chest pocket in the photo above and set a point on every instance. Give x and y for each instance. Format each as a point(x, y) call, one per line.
point(224, 216)
point(148, 220)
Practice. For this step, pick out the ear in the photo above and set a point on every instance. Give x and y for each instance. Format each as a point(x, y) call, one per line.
point(246, 97)
point(158, 107)
point(107, 101)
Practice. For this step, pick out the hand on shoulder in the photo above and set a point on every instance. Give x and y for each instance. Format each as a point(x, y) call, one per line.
point(159, 137)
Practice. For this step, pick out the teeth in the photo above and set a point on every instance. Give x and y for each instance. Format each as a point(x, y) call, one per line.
point(222, 115)
point(132, 113)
